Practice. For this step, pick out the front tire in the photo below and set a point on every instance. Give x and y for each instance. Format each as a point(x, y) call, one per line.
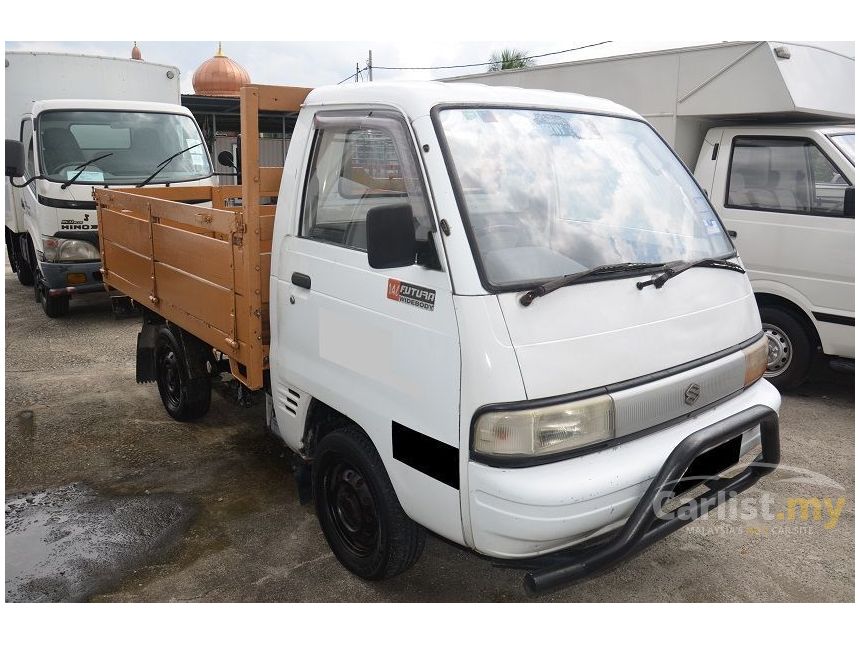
point(789, 348)
point(53, 306)
point(184, 398)
point(358, 510)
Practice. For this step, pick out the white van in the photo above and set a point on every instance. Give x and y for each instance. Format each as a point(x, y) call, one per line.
point(507, 316)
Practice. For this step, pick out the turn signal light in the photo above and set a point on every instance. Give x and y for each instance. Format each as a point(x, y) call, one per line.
point(756, 361)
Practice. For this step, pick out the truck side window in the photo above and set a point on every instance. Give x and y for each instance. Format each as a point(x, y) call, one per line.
point(352, 170)
point(27, 140)
point(784, 175)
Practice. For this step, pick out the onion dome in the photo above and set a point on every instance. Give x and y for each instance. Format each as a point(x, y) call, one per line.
point(135, 52)
point(220, 76)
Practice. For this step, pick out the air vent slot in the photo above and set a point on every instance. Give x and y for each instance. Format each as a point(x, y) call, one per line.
point(291, 402)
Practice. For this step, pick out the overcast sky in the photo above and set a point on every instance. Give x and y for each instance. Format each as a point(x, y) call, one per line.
point(312, 64)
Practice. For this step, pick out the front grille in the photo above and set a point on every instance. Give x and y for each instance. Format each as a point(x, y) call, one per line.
point(651, 404)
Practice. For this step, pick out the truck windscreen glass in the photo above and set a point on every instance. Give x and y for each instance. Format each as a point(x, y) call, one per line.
point(133, 145)
point(551, 193)
point(845, 143)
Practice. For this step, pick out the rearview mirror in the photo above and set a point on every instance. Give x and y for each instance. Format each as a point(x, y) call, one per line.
point(225, 158)
point(849, 202)
point(390, 236)
point(14, 158)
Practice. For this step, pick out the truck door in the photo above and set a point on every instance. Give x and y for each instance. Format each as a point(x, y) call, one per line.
point(378, 345)
point(26, 197)
point(785, 198)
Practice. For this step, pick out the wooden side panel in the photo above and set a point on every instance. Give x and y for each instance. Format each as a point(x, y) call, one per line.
point(205, 268)
point(205, 257)
point(202, 299)
point(125, 229)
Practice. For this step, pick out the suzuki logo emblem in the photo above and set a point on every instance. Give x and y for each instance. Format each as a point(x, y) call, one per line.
point(691, 394)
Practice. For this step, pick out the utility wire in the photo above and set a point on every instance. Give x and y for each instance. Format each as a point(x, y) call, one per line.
point(353, 75)
point(563, 51)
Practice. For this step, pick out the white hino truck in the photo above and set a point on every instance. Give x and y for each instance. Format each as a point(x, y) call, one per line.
point(87, 121)
point(507, 316)
point(769, 129)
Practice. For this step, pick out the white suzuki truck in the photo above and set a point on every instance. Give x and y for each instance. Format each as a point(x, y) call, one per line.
point(769, 129)
point(77, 133)
point(509, 317)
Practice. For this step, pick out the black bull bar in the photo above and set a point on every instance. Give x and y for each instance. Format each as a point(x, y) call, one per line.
point(645, 526)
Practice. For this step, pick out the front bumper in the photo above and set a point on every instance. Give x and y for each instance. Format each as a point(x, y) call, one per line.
point(527, 512)
point(55, 276)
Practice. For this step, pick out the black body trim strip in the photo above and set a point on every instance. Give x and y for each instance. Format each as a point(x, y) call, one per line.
point(523, 462)
point(426, 454)
point(833, 318)
point(66, 203)
point(85, 205)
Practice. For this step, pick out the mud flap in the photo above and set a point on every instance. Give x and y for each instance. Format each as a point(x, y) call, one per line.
point(145, 368)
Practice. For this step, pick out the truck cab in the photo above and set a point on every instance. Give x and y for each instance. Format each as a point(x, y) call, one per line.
point(71, 146)
point(510, 317)
point(786, 193)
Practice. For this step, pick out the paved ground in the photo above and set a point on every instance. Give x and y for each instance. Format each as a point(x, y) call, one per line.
point(109, 499)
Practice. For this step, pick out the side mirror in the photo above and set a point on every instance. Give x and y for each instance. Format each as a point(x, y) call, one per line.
point(225, 158)
point(390, 237)
point(849, 202)
point(15, 156)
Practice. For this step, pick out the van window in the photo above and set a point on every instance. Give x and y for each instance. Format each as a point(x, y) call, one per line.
point(353, 170)
point(784, 175)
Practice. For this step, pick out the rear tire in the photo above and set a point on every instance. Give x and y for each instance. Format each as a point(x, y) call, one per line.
point(358, 510)
point(789, 347)
point(184, 398)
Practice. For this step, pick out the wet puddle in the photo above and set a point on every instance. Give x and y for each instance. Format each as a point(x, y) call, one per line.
point(70, 543)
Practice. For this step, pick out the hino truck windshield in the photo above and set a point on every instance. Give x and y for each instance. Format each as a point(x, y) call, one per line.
point(129, 147)
point(549, 194)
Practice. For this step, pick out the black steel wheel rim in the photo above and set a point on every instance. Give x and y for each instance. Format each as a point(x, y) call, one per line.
point(169, 370)
point(351, 508)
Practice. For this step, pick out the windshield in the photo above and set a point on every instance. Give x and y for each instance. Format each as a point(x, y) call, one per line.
point(845, 142)
point(552, 193)
point(135, 142)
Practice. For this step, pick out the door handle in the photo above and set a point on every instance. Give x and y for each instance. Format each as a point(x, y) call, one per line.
point(301, 280)
point(732, 234)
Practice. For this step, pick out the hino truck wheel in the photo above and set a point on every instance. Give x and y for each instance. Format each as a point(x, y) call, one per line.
point(184, 398)
point(358, 510)
point(789, 349)
point(53, 306)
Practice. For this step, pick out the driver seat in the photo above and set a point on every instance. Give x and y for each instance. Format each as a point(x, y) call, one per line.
point(60, 148)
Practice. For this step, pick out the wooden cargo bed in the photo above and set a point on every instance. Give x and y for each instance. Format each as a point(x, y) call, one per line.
point(206, 269)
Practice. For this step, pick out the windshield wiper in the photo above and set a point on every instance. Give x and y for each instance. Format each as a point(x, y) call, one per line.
point(163, 164)
point(572, 278)
point(81, 169)
point(671, 269)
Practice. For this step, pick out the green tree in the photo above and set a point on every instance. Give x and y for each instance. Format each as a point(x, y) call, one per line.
point(509, 59)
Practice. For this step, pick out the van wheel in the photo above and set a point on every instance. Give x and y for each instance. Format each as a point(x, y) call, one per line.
point(184, 398)
point(789, 348)
point(358, 510)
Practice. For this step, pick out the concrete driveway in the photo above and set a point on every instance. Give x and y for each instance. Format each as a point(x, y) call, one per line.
point(109, 499)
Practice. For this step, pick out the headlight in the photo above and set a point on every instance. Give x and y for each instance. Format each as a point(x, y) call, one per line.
point(57, 249)
point(756, 361)
point(545, 431)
